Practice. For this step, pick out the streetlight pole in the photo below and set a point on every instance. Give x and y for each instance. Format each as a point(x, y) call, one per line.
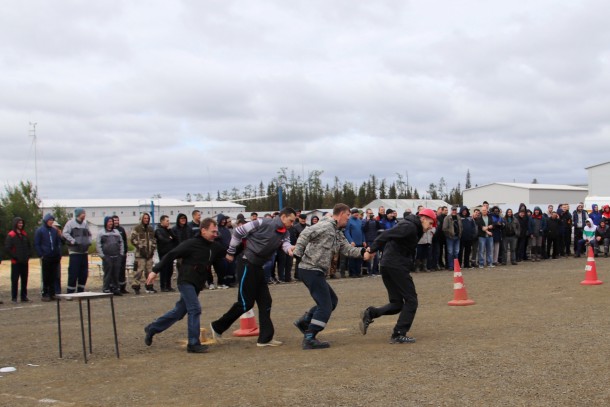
point(33, 135)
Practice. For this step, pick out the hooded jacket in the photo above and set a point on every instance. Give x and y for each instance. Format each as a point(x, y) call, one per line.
point(354, 232)
point(595, 214)
point(537, 223)
point(143, 239)
point(512, 227)
point(109, 242)
point(47, 241)
point(317, 244)
point(399, 244)
point(17, 244)
point(224, 234)
point(181, 232)
point(469, 228)
point(588, 232)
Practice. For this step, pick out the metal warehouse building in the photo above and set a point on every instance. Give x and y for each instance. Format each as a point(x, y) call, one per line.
point(510, 195)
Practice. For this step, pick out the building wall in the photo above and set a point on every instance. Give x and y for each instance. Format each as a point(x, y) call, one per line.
point(599, 177)
point(554, 197)
point(495, 194)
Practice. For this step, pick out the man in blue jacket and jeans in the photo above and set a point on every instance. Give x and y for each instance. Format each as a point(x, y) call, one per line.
point(47, 243)
point(354, 233)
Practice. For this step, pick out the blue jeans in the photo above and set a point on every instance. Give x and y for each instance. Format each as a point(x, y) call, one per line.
point(453, 250)
point(324, 296)
point(486, 244)
point(187, 304)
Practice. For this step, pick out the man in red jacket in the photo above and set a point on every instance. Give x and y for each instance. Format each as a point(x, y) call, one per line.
point(18, 246)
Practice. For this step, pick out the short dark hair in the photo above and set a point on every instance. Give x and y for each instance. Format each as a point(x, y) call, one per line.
point(254, 214)
point(115, 217)
point(340, 208)
point(195, 211)
point(288, 212)
point(163, 217)
point(205, 224)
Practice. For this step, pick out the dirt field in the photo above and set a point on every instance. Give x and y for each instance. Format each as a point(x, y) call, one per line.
point(535, 337)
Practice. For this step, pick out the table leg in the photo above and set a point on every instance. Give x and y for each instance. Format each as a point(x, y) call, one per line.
point(116, 340)
point(59, 328)
point(89, 322)
point(82, 329)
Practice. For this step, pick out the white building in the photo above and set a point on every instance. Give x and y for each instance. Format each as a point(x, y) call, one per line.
point(599, 185)
point(510, 195)
point(400, 205)
point(130, 210)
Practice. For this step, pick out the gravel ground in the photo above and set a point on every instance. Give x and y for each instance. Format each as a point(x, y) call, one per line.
point(534, 338)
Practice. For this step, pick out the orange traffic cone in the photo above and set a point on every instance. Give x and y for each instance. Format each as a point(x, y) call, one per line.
point(590, 270)
point(247, 325)
point(460, 297)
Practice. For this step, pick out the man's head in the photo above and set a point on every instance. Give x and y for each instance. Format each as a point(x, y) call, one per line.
point(381, 210)
point(454, 210)
point(602, 223)
point(588, 222)
point(355, 213)
point(476, 213)
point(48, 220)
point(554, 215)
point(253, 216)
point(445, 210)
point(420, 207)
point(164, 221)
point(109, 223)
point(484, 211)
point(303, 219)
point(116, 221)
point(550, 208)
point(182, 219)
point(196, 214)
point(341, 214)
point(495, 210)
point(427, 217)
point(390, 214)
point(145, 219)
point(580, 207)
point(522, 213)
point(288, 215)
point(80, 214)
point(209, 229)
point(369, 213)
point(19, 224)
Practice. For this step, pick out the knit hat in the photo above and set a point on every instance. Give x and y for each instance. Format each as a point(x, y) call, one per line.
point(78, 212)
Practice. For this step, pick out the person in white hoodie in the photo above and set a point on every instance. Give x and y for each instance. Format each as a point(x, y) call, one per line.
point(588, 235)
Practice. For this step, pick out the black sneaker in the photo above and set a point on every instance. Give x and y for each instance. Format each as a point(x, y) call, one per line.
point(149, 335)
point(199, 348)
point(302, 324)
point(24, 299)
point(136, 289)
point(365, 320)
point(117, 293)
point(402, 339)
point(124, 290)
point(314, 343)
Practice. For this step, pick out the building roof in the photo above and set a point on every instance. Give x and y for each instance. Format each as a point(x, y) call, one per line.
point(597, 165)
point(216, 204)
point(111, 202)
point(554, 187)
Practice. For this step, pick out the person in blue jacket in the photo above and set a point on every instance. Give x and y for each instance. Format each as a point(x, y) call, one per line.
point(354, 233)
point(47, 243)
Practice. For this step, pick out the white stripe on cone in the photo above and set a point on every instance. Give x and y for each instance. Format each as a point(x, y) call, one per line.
point(457, 274)
point(458, 286)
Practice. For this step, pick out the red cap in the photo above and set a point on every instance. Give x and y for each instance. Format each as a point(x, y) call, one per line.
point(428, 213)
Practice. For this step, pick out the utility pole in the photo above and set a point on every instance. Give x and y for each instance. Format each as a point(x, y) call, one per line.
point(32, 134)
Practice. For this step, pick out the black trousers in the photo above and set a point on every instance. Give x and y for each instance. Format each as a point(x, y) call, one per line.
point(253, 288)
point(166, 275)
point(19, 271)
point(49, 267)
point(402, 296)
point(465, 251)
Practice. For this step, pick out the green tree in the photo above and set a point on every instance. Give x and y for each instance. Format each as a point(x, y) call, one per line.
point(21, 201)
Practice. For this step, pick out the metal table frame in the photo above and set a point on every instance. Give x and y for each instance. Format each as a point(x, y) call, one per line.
point(80, 297)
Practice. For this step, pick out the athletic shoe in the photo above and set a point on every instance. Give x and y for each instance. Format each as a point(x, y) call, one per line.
point(223, 287)
point(212, 287)
point(150, 289)
point(149, 335)
point(302, 324)
point(272, 342)
point(124, 290)
point(215, 335)
point(402, 339)
point(199, 348)
point(314, 343)
point(365, 320)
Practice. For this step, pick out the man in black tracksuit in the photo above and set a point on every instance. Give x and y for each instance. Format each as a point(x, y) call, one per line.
point(197, 255)
point(263, 237)
point(399, 245)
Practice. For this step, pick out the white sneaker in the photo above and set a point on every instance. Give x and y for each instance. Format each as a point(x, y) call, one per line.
point(215, 335)
point(223, 287)
point(212, 287)
point(272, 342)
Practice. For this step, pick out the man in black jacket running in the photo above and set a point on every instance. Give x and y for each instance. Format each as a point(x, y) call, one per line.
point(399, 245)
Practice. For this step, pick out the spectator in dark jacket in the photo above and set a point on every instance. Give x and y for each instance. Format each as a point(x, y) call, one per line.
point(523, 236)
point(469, 233)
point(181, 229)
point(510, 233)
point(18, 247)
point(553, 234)
point(166, 241)
point(536, 228)
point(372, 227)
point(123, 270)
point(48, 246)
point(602, 237)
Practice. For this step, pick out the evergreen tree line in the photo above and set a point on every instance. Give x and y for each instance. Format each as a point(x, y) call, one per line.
point(312, 193)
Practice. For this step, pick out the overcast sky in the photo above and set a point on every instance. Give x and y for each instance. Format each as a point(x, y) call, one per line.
point(137, 98)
